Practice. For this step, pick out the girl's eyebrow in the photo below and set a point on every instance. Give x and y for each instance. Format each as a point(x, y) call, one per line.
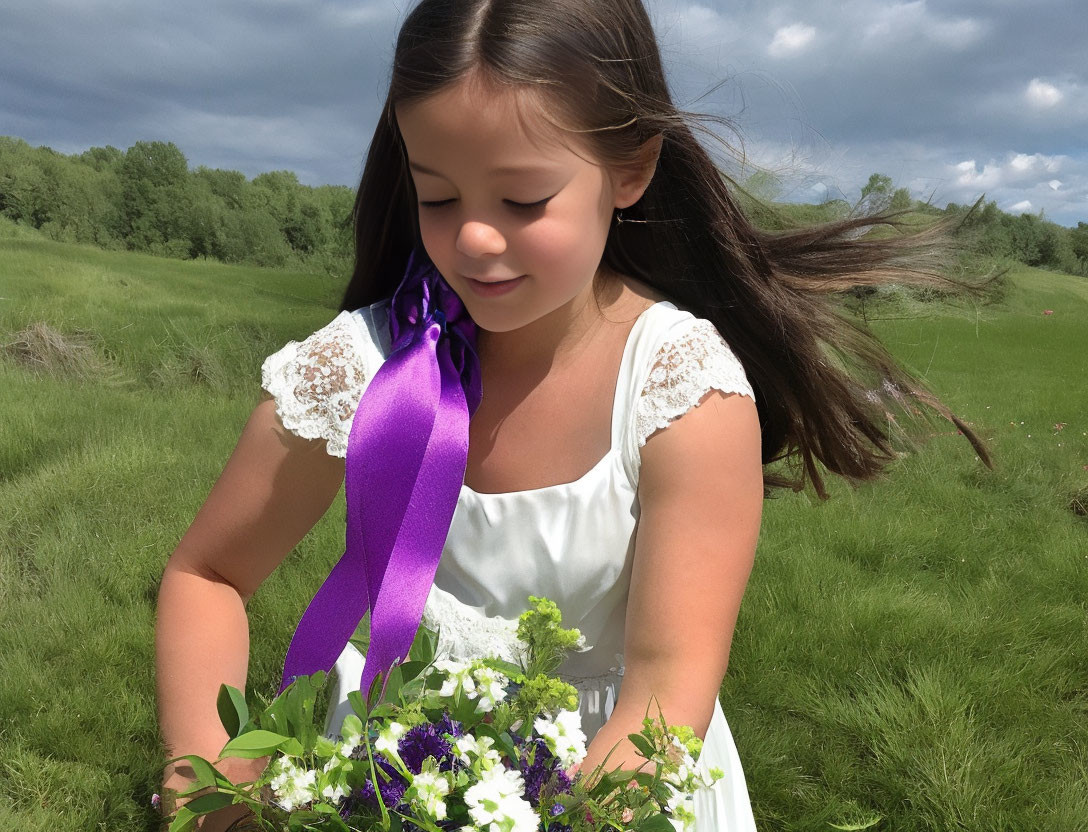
point(507, 170)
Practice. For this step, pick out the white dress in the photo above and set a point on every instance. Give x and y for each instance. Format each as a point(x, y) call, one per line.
point(573, 542)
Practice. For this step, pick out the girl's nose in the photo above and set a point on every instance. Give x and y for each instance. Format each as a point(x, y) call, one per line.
point(478, 238)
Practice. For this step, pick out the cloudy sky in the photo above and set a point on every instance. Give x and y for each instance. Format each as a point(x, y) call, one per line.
point(951, 98)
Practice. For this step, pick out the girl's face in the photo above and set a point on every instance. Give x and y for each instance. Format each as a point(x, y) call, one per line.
point(495, 203)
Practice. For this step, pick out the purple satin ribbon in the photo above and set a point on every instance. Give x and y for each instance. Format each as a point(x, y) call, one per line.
point(406, 458)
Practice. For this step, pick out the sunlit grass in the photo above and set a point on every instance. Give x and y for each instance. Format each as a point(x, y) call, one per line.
point(913, 649)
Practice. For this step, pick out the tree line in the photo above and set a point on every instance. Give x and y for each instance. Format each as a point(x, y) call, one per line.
point(986, 230)
point(147, 199)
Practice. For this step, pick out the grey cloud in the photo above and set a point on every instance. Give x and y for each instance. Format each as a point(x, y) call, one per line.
point(913, 89)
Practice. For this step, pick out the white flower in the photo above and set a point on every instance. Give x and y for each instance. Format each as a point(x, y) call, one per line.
point(350, 731)
point(458, 677)
point(350, 743)
point(521, 812)
point(496, 800)
point(334, 793)
point(681, 804)
point(480, 748)
point(292, 786)
point(563, 736)
point(387, 738)
point(430, 787)
point(490, 685)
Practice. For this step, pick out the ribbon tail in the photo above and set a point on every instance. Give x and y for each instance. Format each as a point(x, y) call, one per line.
point(387, 445)
point(401, 594)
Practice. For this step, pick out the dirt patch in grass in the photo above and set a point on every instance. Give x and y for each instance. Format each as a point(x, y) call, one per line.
point(1078, 502)
point(44, 350)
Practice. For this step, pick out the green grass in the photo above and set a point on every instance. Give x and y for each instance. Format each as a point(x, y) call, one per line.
point(914, 649)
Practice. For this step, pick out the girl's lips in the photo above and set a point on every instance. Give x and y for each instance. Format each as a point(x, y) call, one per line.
point(490, 290)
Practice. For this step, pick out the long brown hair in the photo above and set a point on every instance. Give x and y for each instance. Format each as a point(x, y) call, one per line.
point(825, 386)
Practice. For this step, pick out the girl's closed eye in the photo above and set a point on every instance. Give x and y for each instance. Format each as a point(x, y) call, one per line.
point(522, 206)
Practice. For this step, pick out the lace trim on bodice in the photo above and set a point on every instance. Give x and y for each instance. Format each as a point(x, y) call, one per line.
point(317, 383)
point(465, 633)
point(684, 370)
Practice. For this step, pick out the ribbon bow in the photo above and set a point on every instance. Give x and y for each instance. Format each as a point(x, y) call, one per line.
point(406, 456)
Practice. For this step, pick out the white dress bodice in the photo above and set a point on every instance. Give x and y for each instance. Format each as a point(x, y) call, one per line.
point(573, 542)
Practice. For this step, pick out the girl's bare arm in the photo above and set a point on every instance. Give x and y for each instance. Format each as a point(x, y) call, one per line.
point(274, 488)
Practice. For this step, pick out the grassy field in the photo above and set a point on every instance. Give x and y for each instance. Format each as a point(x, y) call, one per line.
point(910, 655)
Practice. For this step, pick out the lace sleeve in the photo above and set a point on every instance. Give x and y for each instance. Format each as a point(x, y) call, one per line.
point(317, 383)
point(685, 368)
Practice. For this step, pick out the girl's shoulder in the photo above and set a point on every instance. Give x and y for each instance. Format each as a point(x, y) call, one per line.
point(317, 382)
point(677, 359)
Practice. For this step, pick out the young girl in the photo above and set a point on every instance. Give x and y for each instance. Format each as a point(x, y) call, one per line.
point(643, 351)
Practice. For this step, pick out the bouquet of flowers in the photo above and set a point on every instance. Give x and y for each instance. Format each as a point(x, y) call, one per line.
point(440, 744)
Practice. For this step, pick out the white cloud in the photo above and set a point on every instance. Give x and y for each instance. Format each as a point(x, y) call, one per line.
point(913, 21)
point(969, 176)
point(957, 34)
point(789, 40)
point(361, 15)
point(1042, 94)
point(1018, 169)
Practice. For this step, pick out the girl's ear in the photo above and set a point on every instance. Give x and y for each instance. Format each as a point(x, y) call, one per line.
point(631, 181)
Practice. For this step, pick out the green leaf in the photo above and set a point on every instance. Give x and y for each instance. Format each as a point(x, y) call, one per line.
point(509, 668)
point(351, 725)
point(209, 803)
point(642, 744)
point(386, 709)
point(867, 824)
point(206, 774)
point(393, 685)
point(410, 670)
point(372, 695)
point(183, 821)
point(233, 710)
point(656, 823)
point(355, 699)
point(333, 819)
point(424, 646)
point(292, 747)
point(258, 743)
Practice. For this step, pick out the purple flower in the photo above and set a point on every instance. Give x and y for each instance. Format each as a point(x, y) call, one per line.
point(427, 740)
point(545, 769)
point(414, 747)
point(392, 791)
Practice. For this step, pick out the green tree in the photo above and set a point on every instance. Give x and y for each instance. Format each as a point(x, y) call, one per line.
point(155, 197)
point(877, 193)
